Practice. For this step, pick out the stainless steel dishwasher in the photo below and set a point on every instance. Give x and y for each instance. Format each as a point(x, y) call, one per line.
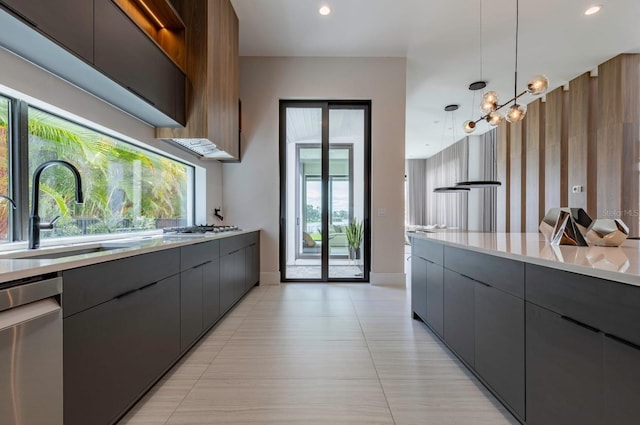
point(31, 353)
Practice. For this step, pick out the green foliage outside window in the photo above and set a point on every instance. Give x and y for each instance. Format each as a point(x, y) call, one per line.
point(125, 187)
point(4, 168)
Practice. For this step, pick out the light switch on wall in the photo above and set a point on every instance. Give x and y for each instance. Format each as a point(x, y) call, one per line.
point(576, 189)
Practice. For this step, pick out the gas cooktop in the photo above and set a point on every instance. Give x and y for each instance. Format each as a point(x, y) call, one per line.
point(200, 228)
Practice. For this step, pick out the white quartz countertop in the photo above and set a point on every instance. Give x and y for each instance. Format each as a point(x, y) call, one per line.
point(621, 264)
point(15, 269)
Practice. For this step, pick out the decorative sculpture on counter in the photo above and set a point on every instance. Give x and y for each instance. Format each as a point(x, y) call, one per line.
point(607, 232)
point(565, 226)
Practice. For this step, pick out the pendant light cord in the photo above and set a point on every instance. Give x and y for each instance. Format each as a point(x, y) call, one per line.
point(515, 80)
point(480, 27)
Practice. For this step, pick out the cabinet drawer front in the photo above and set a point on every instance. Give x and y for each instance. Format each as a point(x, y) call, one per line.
point(251, 238)
point(568, 294)
point(231, 244)
point(88, 286)
point(430, 251)
point(504, 274)
point(198, 254)
point(621, 305)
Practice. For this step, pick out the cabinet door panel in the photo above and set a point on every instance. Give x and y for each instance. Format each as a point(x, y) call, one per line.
point(250, 255)
point(621, 382)
point(428, 250)
point(564, 370)
point(459, 316)
point(500, 344)
point(114, 351)
point(191, 301)
point(435, 297)
point(127, 55)
point(211, 292)
point(419, 286)
point(232, 281)
point(69, 22)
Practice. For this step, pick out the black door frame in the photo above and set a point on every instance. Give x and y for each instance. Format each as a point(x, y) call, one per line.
point(326, 105)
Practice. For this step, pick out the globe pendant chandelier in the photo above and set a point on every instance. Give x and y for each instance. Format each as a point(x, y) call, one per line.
point(491, 106)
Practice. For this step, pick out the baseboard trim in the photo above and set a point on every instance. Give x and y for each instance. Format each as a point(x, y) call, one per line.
point(388, 279)
point(269, 278)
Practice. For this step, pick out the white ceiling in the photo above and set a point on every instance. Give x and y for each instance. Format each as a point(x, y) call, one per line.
point(440, 40)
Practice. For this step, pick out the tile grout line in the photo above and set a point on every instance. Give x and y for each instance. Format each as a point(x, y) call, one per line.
point(372, 360)
point(212, 360)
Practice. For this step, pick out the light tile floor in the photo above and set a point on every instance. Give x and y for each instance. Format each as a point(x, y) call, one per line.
point(320, 354)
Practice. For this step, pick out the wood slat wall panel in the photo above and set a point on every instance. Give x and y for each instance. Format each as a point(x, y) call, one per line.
point(504, 167)
point(553, 149)
point(592, 149)
point(517, 177)
point(579, 100)
point(534, 165)
point(618, 139)
point(631, 142)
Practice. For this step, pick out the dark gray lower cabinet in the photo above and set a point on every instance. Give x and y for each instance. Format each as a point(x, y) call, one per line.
point(191, 306)
point(459, 315)
point(419, 286)
point(564, 370)
point(211, 292)
point(114, 351)
point(435, 297)
point(499, 356)
point(250, 278)
point(621, 382)
point(232, 278)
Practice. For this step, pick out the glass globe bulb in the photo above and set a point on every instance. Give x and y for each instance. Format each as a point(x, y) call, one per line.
point(494, 118)
point(538, 85)
point(489, 102)
point(469, 126)
point(516, 113)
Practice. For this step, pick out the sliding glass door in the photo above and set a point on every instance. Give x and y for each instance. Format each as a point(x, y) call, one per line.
point(324, 208)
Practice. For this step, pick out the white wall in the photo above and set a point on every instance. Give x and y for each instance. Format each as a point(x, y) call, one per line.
point(251, 188)
point(24, 77)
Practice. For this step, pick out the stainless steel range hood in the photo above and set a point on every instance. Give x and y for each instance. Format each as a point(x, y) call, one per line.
point(204, 148)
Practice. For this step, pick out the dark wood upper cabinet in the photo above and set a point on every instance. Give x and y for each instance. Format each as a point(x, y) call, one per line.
point(127, 55)
point(68, 22)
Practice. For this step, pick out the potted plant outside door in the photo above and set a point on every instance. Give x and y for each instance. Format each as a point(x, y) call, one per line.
point(354, 238)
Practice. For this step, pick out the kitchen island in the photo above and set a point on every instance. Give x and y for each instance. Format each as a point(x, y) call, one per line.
point(553, 332)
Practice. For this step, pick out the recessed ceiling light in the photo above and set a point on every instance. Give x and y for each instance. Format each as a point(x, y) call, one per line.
point(324, 10)
point(592, 10)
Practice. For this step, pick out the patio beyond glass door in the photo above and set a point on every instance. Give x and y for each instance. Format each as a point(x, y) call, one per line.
point(324, 191)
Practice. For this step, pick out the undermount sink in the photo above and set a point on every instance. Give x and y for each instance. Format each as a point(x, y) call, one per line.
point(53, 253)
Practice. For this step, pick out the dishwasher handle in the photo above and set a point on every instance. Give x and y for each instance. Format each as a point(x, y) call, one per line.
point(25, 313)
point(29, 292)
